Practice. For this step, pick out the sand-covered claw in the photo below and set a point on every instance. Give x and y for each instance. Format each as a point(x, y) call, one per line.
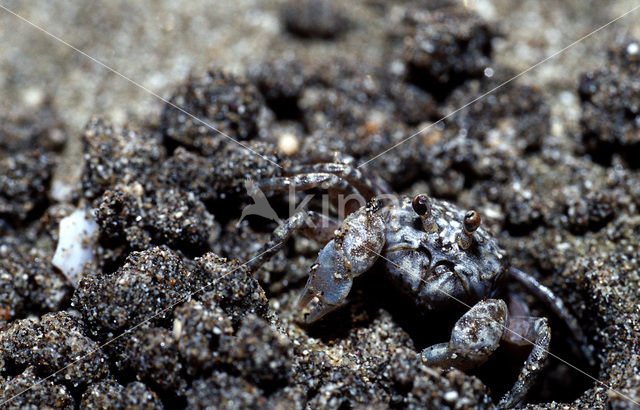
point(329, 282)
point(352, 252)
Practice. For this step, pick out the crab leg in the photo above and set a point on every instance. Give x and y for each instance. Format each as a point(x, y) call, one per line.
point(522, 331)
point(545, 295)
point(311, 223)
point(304, 181)
point(367, 186)
point(333, 183)
point(478, 333)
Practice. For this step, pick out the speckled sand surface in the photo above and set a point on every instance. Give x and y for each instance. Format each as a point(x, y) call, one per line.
point(536, 160)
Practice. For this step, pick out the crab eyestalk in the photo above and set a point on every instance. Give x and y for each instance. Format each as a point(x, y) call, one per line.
point(422, 206)
point(470, 224)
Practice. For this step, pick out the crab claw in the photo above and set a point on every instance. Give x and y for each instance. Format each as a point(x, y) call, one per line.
point(329, 282)
point(352, 252)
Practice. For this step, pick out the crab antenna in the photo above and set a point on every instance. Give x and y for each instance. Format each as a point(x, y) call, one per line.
point(470, 224)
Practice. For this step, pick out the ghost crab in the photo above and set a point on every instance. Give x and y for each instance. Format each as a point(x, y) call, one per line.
point(436, 253)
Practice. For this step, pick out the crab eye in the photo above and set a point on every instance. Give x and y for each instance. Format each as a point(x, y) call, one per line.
point(472, 221)
point(421, 204)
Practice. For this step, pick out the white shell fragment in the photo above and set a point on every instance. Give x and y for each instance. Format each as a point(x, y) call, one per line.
point(76, 244)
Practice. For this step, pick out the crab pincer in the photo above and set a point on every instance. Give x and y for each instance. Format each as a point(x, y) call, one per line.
point(353, 251)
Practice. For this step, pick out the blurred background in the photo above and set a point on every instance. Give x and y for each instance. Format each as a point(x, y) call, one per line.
point(158, 43)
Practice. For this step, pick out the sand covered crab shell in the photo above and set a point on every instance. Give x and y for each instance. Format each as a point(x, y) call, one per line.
point(456, 258)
